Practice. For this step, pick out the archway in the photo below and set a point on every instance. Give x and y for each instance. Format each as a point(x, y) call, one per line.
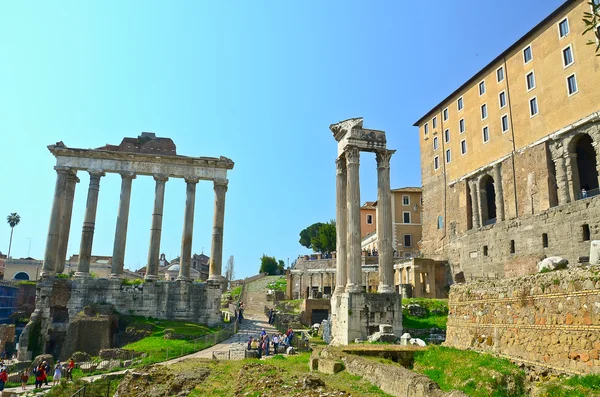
point(489, 200)
point(586, 166)
point(21, 276)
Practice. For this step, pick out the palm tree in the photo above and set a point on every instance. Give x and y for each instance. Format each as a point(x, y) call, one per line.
point(13, 220)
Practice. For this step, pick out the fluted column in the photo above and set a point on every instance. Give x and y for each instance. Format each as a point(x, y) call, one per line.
point(156, 229)
point(50, 255)
point(89, 223)
point(118, 259)
point(216, 250)
point(188, 230)
point(341, 225)
point(384, 222)
point(474, 203)
point(353, 261)
point(499, 192)
point(66, 211)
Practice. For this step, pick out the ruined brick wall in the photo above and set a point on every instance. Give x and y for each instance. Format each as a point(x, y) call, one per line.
point(549, 319)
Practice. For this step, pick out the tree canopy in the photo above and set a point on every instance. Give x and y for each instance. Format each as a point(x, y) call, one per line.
point(320, 237)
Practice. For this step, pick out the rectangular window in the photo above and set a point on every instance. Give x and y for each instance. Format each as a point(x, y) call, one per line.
point(533, 106)
point(408, 240)
point(527, 54)
point(369, 219)
point(445, 114)
point(405, 200)
point(502, 99)
point(447, 136)
point(484, 111)
point(500, 74)
point(406, 217)
point(435, 143)
point(481, 88)
point(461, 125)
point(459, 103)
point(448, 156)
point(567, 57)
point(426, 128)
point(563, 28)
point(436, 162)
point(504, 123)
point(434, 122)
point(486, 134)
point(572, 84)
point(530, 79)
point(463, 147)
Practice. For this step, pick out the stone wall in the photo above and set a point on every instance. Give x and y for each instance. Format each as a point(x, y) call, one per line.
point(563, 226)
point(548, 319)
point(59, 301)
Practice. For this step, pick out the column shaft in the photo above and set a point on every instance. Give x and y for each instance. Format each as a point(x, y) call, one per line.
point(50, 254)
point(482, 201)
point(216, 250)
point(341, 225)
point(118, 259)
point(156, 229)
point(65, 222)
point(188, 231)
point(384, 223)
point(353, 260)
point(499, 193)
point(474, 204)
point(573, 176)
point(562, 184)
point(89, 223)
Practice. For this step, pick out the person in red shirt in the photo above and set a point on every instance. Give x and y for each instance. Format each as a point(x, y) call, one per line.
point(40, 375)
point(70, 369)
point(3, 378)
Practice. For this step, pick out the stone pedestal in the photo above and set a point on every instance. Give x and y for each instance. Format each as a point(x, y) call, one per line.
point(358, 315)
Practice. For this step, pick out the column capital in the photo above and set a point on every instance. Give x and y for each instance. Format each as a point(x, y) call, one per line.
point(161, 177)
point(352, 155)
point(221, 182)
point(340, 164)
point(60, 169)
point(128, 175)
point(383, 158)
point(194, 179)
point(73, 177)
point(96, 173)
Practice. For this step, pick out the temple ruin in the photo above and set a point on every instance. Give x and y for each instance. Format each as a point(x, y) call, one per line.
point(58, 301)
point(355, 314)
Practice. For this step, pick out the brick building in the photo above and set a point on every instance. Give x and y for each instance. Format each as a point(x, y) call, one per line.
point(509, 160)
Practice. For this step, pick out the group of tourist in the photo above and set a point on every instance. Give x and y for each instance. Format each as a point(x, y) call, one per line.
point(41, 373)
point(263, 343)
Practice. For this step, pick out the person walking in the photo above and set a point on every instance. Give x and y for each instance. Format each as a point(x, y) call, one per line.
point(3, 378)
point(46, 372)
point(275, 343)
point(40, 375)
point(70, 368)
point(57, 374)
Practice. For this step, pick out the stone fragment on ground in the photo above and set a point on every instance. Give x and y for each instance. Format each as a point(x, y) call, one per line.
point(161, 380)
point(552, 263)
point(416, 310)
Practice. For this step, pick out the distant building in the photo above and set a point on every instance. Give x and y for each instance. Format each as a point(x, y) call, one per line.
point(169, 270)
point(22, 269)
point(8, 302)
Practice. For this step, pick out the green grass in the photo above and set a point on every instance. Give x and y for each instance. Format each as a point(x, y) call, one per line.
point(98, 388)
point(430, 320)
point(278, 285)
point(576, 386)
point(235, 293)
point(291, 306)
point(178, 327)
point(478, 375)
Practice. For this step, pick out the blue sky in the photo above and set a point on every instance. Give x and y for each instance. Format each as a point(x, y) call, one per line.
point(256, 81)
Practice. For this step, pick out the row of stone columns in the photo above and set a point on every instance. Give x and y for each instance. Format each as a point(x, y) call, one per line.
point(348, 248)
point(60, 221)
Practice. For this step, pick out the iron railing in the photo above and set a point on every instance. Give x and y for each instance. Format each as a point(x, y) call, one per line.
point(583, 194)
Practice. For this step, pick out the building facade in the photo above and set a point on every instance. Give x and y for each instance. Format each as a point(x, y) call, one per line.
point(406, 215)
point(509, 160)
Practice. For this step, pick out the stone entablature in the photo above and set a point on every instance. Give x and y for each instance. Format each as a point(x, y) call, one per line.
point(550, 319)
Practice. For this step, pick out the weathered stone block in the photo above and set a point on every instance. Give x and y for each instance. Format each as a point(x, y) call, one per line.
point(330, 367)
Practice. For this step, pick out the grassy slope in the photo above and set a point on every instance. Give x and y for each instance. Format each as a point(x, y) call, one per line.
point(429, 321)
point(478, 375)
point(290, 369)
point(577, 386)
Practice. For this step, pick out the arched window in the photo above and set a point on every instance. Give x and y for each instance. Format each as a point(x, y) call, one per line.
point(440, 222)
point(21, 276)
point(586, 166)
point(488, 203)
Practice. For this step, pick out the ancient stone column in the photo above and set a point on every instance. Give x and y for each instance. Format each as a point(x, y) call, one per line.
point(573, 176)
point(499, 192)
point(474, 203)
point(89, 222)
point(156, 229)
point(216, 250)
point(341, 225)
point(384, 223)
point(188, 230)
point(482, 200)
point(322, 283)
point(62, 173)
point(118, 259)
point(66, 211)
point(353, 260)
